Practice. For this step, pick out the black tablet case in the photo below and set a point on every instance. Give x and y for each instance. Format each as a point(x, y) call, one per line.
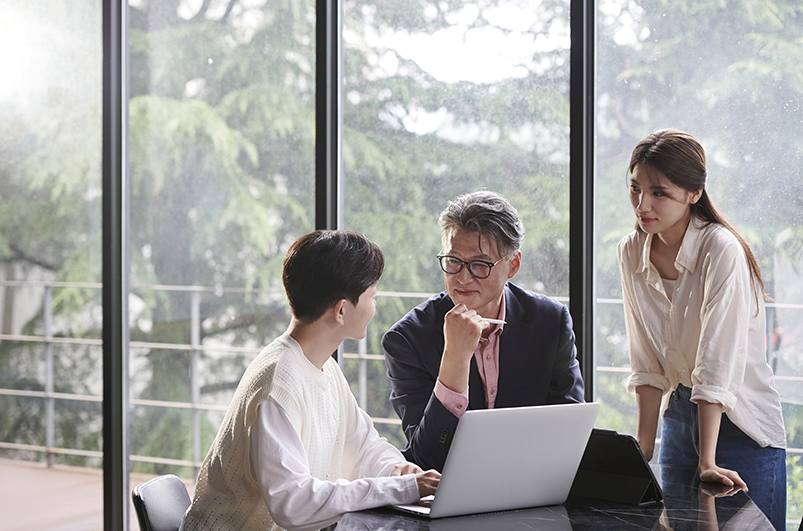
point(613, 468)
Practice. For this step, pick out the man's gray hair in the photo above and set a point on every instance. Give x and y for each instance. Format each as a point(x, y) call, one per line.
point(485, 212)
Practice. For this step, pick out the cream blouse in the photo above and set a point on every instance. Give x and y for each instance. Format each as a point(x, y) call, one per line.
point(709, 335)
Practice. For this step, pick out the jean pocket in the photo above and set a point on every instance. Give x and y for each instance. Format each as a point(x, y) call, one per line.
point(672, 405)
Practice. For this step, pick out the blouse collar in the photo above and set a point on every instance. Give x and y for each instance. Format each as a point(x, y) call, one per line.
point(687, 254)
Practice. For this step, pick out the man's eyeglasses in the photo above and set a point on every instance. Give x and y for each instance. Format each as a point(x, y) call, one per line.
point(478, 268)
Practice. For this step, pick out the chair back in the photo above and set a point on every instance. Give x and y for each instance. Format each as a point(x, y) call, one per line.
point(161, 503)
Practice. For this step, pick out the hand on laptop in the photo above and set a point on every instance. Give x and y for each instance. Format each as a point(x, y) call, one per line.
point(427, 481)
point(404, 469)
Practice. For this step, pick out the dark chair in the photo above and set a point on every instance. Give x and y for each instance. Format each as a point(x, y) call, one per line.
point(161, 503)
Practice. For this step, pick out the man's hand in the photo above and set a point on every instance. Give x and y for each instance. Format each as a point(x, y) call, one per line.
point(462, 329)
point(427, 482)
point(404, 469)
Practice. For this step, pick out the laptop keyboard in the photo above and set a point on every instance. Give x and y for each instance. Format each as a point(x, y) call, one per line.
point(426, 501)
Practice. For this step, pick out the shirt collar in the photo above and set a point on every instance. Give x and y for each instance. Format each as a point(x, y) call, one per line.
point(687, 254)
point(502, 309)
point(644, 264)
point(502, 312)
point(498, 328)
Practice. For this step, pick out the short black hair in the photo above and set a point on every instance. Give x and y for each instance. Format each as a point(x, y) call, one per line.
point(326, 266)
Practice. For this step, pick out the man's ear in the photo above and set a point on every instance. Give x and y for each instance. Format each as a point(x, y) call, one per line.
point(339, 310)
point(515, 264)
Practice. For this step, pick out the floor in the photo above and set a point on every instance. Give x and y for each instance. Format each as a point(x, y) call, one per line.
point(61, 498)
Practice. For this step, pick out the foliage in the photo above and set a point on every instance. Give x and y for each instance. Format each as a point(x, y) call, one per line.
point(794, 510)
point(221, 150)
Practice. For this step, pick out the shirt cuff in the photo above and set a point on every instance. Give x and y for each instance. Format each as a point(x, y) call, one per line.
point(715, 395)
point(411, 489)
point(658, 381)
point(455, 403)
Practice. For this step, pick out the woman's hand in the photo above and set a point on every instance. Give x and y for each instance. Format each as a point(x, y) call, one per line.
point(709, 490)
point(710, 417)
point(717, 474)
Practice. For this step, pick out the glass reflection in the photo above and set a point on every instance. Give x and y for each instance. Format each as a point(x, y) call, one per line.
point(441, 99)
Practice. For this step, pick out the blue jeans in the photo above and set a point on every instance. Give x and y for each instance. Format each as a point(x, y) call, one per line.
point(763, 469)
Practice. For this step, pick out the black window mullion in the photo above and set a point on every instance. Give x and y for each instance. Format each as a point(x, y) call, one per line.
point(115, 261)
point(328, 117)
point(581, 178)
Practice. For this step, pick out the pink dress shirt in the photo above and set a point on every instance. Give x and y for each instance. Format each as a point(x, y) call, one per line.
point(487, 357)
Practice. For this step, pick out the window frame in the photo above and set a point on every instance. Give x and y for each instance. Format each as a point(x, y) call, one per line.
point(581, 183)
point(328, 214)
point(115, 259)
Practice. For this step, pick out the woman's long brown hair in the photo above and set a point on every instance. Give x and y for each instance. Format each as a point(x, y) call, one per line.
point(680, 159)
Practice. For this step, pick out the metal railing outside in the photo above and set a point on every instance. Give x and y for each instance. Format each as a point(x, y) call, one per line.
point(195, 348)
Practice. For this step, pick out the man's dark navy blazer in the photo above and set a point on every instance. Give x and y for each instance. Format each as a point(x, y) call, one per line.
point(537, 366)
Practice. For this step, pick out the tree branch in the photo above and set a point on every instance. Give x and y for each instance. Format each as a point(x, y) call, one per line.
point(228, 11)
point(19, 254)
point(202, 11)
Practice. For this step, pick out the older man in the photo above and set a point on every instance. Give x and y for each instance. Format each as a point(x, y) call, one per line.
point(482, 343)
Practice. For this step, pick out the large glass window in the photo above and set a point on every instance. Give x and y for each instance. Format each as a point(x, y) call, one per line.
point(222, 124)
point(50, 251)
point(727, 74)
point(440, 99)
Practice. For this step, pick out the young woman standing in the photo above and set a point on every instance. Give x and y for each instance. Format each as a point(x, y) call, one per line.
point(694, 313)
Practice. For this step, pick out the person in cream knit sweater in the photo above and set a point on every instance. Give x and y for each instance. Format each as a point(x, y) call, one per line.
point(295, 451)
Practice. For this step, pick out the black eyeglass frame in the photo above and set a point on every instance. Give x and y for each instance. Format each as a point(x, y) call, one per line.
point(464, 263)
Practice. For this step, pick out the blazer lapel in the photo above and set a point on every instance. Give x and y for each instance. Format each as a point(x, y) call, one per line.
point(516, 336)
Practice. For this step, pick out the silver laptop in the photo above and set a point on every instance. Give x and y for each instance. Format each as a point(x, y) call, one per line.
point(511, 458)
